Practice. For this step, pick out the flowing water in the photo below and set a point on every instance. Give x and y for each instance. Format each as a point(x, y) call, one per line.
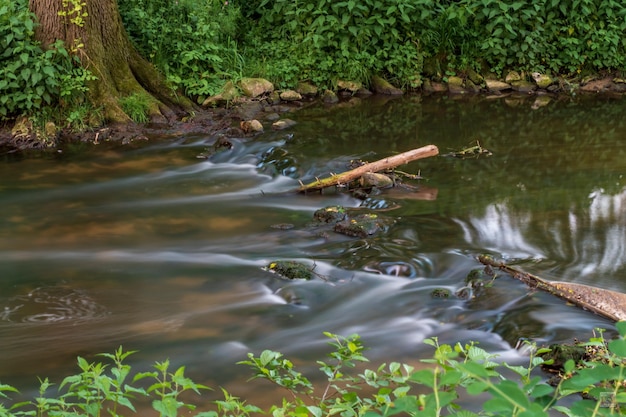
point(161, 250)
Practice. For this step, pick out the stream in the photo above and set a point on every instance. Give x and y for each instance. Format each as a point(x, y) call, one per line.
point(161, 246)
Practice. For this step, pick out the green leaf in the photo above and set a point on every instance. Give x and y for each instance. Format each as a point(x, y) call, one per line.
point(621, 325)
point(24, 57)
point(477, 387)
point(25, 73)
point(267, 356)
point(316, 411)
point(513, 393)
point(618, 347)
point(424, 377)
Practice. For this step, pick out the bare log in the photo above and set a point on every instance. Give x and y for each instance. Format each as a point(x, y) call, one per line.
point(380, 165)
point(606, 303)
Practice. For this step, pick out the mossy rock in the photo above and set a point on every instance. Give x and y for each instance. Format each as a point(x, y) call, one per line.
point(363, 225)
point(440, 293)
point(331, 214)
point(290, 270)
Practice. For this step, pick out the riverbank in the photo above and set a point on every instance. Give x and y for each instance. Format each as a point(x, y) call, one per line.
point(254, 104)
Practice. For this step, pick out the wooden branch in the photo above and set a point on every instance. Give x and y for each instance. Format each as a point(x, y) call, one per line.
point(606, 303)
point(380, 165)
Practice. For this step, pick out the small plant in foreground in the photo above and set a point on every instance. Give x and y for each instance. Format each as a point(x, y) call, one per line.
point(593, 387)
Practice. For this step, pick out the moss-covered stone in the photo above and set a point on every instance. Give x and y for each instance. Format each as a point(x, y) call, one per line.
point(363, 225)
point(382, 86)
point(331, 214)
point(290, 270)
point(254, 87)
point(440, 293)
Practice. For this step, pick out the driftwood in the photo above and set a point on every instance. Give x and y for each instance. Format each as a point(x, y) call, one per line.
point(380, 165)
point(606, 303)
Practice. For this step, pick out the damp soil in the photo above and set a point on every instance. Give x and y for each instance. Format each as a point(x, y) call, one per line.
point(210, 122)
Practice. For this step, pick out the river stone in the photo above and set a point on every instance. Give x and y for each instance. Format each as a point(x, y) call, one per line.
point(471, 87)
point(512, 76)
point(542, 80)
point(374, 179)
point(433, 87)
point(273, 98)
point(329, 97)
point(306, 89)
point(363, 225)
point(523, 86)
point(290, 95)
point(455, 85)
point(382, 86)
point(251, 126)
point(495, 85)
point(229, 93)
point(254, 87)
point(290, 270)
point(283, 124)
point(249, 110)
point(330, 214)
point(351, 86)
point(475, 77)
point(596, 86)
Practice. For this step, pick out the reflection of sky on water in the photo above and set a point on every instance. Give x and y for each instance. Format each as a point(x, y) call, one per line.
point(592, 239)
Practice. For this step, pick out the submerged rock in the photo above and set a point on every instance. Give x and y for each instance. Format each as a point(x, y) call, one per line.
point(331, 214)
point(290, 270)
point(363, 225)
point(283, 124)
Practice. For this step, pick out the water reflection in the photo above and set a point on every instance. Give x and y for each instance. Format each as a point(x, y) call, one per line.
point(590, 240)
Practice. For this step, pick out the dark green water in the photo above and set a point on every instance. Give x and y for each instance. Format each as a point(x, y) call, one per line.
point(156, 250)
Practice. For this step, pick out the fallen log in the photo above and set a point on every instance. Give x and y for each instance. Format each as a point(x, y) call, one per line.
point(380, 165)
point(606, 303)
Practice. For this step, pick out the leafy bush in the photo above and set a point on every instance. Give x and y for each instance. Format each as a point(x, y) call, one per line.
point(191, 41)
point(593, 388)
point(29, 76)
point(333, 40)
point(32, 78)
point(562, 36)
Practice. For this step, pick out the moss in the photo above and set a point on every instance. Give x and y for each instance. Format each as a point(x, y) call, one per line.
point(290, 270)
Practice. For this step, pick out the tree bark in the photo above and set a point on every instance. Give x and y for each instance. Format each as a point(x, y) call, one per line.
point(109, 55)
point(606, 303)
point(380, 165)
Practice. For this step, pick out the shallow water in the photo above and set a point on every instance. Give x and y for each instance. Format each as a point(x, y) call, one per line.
point(155, 249)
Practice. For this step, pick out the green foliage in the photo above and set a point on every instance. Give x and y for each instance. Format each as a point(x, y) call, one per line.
point(592, 388)
point(32, 78)
point(562, 36)
point(137, 106)
point(329, 40)
point(191, 41)
point(324, 40)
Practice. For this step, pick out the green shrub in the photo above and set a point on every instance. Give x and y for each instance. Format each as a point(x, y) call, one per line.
point(191, 41)
point(592, 388)
point(31, 77)
point(329, 40)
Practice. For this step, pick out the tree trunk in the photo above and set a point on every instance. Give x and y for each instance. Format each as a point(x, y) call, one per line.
point(108, 53)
